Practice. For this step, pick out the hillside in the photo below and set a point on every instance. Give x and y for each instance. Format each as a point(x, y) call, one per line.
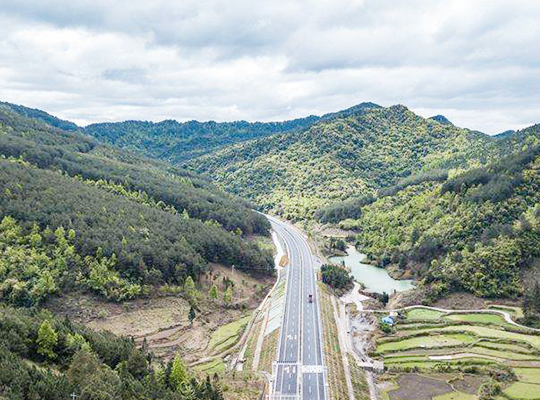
point(344, 155)
point(42, 357)
point(79, 215)
point(476, 231)
point(177, 142)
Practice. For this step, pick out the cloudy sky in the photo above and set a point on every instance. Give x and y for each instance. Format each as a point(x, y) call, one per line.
point(475, 61)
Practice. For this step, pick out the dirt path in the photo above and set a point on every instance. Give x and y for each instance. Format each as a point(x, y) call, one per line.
point(463, 355)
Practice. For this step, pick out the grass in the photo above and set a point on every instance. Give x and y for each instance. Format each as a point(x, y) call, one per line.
point(268, 351)
point(423, 313)
point(490, 333)
point(505, 347)
point(252, 344)
point(455, 395)
point(500, 354)
point(332, 351)
point(215, 366)
point(428, 341)
point(227, 335)
point(521, 390)
point(429, 364)
point(530, 375)
point(358, 379)
point(482, 318)
point(397, 357)
point(515, 312)
point(480, 336)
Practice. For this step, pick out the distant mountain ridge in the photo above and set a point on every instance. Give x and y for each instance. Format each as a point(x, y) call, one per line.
point(180, 141)
point(295, 167)
point(40, 116)
point(441, 119)
point(346, 154)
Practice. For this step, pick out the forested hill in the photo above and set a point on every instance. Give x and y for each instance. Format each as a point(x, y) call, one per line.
point(75, 213)
point(47, 358)
point(477, 231)
point(40, 116)
point(344, 155)
point(177, 142)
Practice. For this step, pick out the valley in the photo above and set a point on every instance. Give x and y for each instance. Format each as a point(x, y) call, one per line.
point(101, 230)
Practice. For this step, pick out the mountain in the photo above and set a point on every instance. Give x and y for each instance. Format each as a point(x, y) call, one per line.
point(505, 134)
point(441, 119)
point(177, 142)
point(40, 116)
point(76, 214)
point(477, 231)
point(344, 155)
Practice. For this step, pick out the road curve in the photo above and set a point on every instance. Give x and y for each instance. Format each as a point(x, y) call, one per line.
point(299, 371)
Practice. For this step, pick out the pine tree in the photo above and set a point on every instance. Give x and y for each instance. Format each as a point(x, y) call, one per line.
point(213, 292)
point(191, 315)
point(47, 339)
point(178, 374)
point(227, 295)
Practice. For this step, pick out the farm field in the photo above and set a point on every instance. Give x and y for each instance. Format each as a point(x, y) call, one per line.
point(455, 356)
point(479, 317)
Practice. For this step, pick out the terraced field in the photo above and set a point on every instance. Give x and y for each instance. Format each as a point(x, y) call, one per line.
point(449, 347)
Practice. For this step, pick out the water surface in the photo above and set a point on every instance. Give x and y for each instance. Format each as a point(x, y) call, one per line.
point(373, 278)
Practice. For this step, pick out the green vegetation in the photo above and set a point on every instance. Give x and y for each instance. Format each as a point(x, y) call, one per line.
point(515, 312)
point(521, 390)
point(469, 234)
point(423, 313)
point(348, 154)
point(227, 335)
point(336, 276)
point(483, 318)
point(176, 142)
point(455, 395)
point(77, 214)
point(215, 366)
point(441, 340)
point(531, 375)
point(42, 357)
point(358, 380)
point(493, 361)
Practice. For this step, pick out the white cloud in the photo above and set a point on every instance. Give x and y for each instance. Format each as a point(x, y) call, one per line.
point(477, 62)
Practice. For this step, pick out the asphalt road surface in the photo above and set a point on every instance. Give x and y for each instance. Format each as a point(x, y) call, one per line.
point(300, 363)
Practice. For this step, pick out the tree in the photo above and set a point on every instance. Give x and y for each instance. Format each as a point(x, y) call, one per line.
point(83, 366)
point(227, 295)
point(178, 374)
point(47, 339)
point(191, 315)
point(213, 292)
point(191, 291)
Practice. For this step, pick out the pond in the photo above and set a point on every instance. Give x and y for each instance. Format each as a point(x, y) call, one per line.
point(373, 278)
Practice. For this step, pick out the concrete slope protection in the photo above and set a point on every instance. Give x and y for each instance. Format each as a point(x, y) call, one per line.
point(299, 371)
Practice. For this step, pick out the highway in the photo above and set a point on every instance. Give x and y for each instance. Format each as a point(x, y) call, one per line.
point(299, 372)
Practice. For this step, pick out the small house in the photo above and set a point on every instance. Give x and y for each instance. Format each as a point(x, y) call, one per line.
point(388, 320)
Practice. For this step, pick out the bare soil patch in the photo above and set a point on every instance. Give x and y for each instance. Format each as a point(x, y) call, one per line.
point(162, 320)
point(468, 384)
point(461, 301)
point(418, 387)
